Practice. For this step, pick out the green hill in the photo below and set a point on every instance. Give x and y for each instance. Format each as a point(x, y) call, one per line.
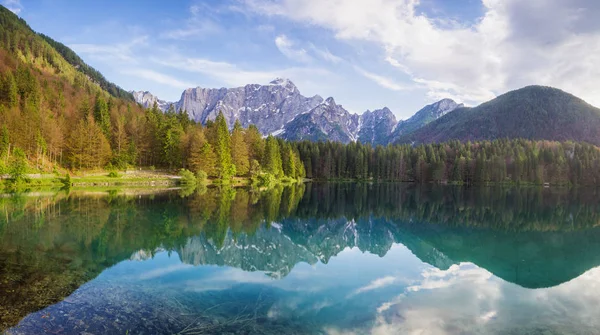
point(533, 112)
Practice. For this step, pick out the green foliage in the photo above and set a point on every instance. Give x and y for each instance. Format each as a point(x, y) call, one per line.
point(18, 166)
point(113, 174)
point(239, 150)
point(187, 178)
point(223, 148)
point(201, 177)
point(8, 90)
point(264, 179)
point(102, 115)
point(66, 181)
point(500, 161)
point(272, 158)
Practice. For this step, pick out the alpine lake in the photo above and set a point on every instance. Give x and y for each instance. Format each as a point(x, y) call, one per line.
point(314, 258)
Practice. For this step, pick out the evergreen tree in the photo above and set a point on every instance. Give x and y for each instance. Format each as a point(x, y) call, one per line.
point(272, 157)
point(102, 115)
point(223, 148)
point(239, 150)
point(9, 94)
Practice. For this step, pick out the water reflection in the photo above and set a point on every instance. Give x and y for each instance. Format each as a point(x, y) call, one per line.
point(327, 258)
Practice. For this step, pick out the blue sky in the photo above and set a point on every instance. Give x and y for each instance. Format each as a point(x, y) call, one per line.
point(367, 54)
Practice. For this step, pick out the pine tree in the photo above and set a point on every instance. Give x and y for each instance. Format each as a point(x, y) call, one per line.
point(239, 150)
point(88, 147)
point(223, 148)
point(272, 157)
point(9, 93)
point(255, 142)
point(4, 141)
point(102, 115)
point(196, 141)
point(288, 162)
point(207, 160)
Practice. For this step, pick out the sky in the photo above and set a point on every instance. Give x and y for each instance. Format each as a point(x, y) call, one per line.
point(367, 54)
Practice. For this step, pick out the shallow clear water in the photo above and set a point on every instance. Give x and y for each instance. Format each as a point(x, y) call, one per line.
point(319, 258)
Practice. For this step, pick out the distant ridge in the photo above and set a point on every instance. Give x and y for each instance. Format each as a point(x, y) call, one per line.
point(532, 112)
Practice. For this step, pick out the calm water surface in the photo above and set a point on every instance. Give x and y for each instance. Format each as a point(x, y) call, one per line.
point(311, 259)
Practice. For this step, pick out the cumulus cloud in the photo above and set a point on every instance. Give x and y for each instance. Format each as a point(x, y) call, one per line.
point(288, 49)
point(515, 43)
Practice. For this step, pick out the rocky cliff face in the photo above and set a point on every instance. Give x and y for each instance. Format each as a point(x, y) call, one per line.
point(269, 107)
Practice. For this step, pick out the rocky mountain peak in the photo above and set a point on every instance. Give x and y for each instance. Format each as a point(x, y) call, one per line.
point(376, 126)
point(441, 107)
point(330, 101)
point(147, 100)
point(285, 83)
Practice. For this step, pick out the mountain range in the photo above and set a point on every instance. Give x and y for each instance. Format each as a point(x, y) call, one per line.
point(279, 109)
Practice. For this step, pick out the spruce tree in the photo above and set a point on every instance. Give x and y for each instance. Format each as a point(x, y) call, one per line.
point(239, 150)
point(272, 157)
point(223, 148)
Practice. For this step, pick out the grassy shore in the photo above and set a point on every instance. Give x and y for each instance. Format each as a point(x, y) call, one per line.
point(112, 179)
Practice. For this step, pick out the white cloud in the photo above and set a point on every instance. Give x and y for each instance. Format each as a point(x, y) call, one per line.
point(157, 77)
point(382, 81)
point(515, 43)
point(14, 6)
point(325, 54)
point(286, 47)
point(159, 272)
point(376, 284)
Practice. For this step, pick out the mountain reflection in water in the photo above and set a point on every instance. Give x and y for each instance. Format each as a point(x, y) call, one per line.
point(326, 258)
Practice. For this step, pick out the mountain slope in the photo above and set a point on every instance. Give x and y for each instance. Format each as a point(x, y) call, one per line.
point(533, 112)
point(424, 116)
point(73, 59)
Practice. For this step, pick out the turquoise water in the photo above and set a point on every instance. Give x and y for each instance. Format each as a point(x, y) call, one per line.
point(313, 259)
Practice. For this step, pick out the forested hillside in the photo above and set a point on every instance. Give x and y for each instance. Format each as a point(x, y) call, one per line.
point(55, 116)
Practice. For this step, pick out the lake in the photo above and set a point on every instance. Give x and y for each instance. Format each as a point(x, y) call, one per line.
point(308, 259)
